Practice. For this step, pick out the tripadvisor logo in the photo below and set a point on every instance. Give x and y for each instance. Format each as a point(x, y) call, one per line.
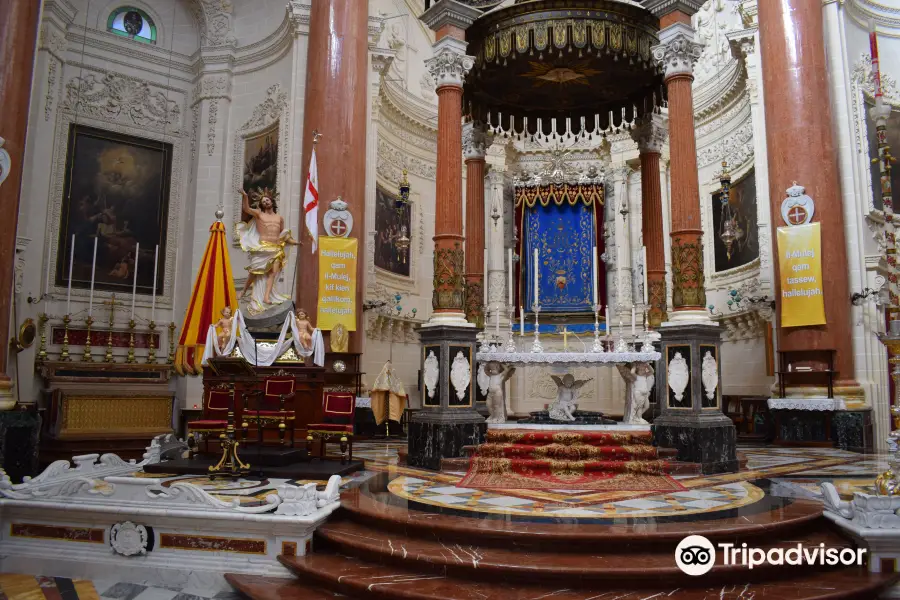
point(696, 555)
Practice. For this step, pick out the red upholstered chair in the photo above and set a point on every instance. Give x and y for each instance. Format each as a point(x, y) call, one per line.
point(215, 414)
point(270, 410)
point(339, 409)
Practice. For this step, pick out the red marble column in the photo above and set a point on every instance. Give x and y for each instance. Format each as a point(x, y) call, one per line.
point(801, 148)
point(335, 105)
point(650, 137)
point(474, 142)
point(448, 66)
point(18, 38)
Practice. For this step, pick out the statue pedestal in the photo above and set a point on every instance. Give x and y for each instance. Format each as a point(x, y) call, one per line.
point(689, 388)
point(448, 419)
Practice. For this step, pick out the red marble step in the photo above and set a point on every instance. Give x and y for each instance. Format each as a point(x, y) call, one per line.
point(620, 563)
point(546, 437)
point(276, 588)
point(664, 453)
point(461, 465)
point(361, 579)
point(500, 530)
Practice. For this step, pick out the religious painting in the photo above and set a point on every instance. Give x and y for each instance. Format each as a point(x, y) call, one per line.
point(893, 139)
point(261, 160)
point(390, 224)
point(116, 192)
point(735, 240)
point(564, 236)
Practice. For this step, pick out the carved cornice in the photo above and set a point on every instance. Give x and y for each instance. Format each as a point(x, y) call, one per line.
point(651, 135)
point(679, 52)
point(449, 12)
point(661, 8)
point(719, 92)
point(885, 14)
point(382, 59)
point(450, 62)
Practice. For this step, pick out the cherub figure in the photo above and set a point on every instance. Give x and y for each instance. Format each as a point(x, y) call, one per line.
point(566, 391)
point(223, 328)
point(304, 328)
point(639, 380)
point(498, 375)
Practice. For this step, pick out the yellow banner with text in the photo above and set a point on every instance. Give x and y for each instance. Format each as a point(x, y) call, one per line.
point(800, 268)
point(337, 283)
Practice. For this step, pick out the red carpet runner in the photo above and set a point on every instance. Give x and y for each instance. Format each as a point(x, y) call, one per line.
point(567, 460)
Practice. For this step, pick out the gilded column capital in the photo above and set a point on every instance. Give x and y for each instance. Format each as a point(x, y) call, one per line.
point(450, 62)
point(475, 141)
point(677, 51)
point(651, 134)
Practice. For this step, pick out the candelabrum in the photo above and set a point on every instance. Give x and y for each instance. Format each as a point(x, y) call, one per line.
point(108, 356)
point(86, 355)
point(42, 350)
point(887, 483)
point(597, 346)
point(151, 355)
point(64, 354)
point(536, 345)
point(130, 359)
point(621, 344)
point(171, 358)
point(511, 342)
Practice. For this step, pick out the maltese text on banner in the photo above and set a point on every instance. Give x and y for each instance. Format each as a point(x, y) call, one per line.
point(337, 283)
point(800, 269)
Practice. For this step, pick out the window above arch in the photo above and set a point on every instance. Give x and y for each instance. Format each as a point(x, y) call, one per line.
point(132, 23)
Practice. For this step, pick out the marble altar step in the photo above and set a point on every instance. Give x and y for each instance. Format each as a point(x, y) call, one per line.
point(622, 564)
point(461, 465)
point(361, 579)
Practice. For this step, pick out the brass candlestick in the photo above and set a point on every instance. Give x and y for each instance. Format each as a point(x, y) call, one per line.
point(130, 359)
point(171, 359)
point(86, 356)
point(108, 357)
point(64, 354)
point(42, 350)
point(151, 356)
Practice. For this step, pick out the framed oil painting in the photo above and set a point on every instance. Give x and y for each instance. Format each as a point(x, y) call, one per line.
point(261, 160)
point(389, 222)
point(893, 139)
point(738, 217)
point(116, 191)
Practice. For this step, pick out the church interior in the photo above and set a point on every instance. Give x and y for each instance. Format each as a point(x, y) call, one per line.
point(459, 299)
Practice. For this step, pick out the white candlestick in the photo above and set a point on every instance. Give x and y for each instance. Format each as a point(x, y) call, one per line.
point(536, 279)
point(484, 284)
point(497, 321)
point(71, 264)
point(174, 286)
point(607, 320)
point(93, 271)
point(47, 274)
point(137, 252)
point(644, 251)
point(509, 278)
point(153, 300)
point(594, 275)
point(632, 319)
point(521, 320)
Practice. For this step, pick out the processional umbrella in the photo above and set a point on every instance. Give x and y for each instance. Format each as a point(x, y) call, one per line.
point(213, 290)
point(585, 63)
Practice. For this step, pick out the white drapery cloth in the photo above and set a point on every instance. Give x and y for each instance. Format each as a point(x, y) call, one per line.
point(263, 355)
point(263, 257)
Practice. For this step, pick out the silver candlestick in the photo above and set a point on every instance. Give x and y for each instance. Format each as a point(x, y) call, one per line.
point(511, 342)
point(536, 345)
point(597, 345)
point(621, 344)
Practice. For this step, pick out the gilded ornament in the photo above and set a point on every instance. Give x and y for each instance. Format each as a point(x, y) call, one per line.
point(687, 274)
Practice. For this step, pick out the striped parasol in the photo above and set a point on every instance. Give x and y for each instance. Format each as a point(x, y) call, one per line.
point(213, 291)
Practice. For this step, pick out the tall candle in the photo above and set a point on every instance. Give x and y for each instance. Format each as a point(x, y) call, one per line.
point(521, 320)
point(594, 278)
point(484, 283)
point(632, 319)
point(497, 321)
point(174, 287)
point(93, 270)
point(153, 300)
point(876, 70)
point(137, 252)
point(509, 278)
point(47, 274)
point(536, 278)
point(607, 320)
point(644, 252)
point(71, 264)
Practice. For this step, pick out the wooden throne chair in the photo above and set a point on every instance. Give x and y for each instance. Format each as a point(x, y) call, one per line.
point(270, 409)
point(339, 409)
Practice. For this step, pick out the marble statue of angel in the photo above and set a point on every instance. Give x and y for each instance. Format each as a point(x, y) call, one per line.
point(566, 391)
point(497, 375)
point(639, 379)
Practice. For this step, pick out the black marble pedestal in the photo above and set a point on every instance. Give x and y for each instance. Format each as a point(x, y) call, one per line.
point(19, 438)
point(582, 417)
point(712, 446)
point(428, 443)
